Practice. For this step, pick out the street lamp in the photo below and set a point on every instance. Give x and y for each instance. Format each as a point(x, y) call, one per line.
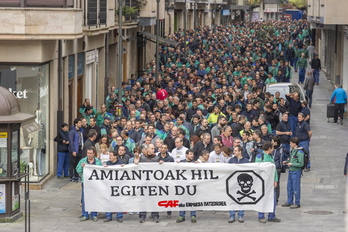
point(157, 42)
point(185, 29)
point(195, 17)
point(120, 53)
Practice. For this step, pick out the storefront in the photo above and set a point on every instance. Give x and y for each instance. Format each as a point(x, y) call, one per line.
point(30, 85)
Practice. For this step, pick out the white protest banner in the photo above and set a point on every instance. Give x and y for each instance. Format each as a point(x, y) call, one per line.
point(157, 187)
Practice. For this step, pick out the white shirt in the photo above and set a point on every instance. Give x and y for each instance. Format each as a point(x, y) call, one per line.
point(104, 158)
point(216, 158)
point(179, 154)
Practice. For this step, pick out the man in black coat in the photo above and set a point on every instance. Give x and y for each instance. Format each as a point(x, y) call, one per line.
point(92, 125)
point(205, 144)
point(91, 137)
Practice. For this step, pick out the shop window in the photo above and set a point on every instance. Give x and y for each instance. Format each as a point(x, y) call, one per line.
point(30, 85)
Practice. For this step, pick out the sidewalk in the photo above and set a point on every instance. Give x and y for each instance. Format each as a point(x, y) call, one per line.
point(57, 206)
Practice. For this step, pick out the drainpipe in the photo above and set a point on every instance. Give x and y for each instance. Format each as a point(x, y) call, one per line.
point(170, 22)
point(106, 80)
point(60, 113)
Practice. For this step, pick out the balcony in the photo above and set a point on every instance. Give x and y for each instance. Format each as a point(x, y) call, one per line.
point(40, 19)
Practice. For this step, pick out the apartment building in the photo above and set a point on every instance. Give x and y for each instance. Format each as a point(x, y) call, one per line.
point(329, 20)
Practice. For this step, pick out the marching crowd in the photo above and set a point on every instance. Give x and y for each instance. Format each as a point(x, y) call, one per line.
point(208, 106)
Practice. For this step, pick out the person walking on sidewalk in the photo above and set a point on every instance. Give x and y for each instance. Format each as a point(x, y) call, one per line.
point(302, 65)
point(295, 164)
point(339, 97)
point(316, 67)
point(309, 87)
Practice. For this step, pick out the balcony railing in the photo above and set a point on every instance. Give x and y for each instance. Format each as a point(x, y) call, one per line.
point(37, 3)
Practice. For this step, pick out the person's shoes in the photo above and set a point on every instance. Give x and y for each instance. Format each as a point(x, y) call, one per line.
point(231, 220)
point(306, 169)
point(120, 220)
point(317, 83)
point(193, 219)
point(84, 219)
point(241, 220)
point(180, 219)
point(169, 215)
point(341, 121)
point(274, 220)
point(262, 220)
point(286, 205)
point(107, 219)
point(142, 220)
point(95, 219)
point(156, 220)
point(294, 206)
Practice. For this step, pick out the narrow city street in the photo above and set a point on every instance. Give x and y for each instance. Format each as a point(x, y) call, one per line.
point(57, 206)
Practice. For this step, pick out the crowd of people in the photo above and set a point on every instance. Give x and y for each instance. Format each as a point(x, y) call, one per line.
point(208, 106)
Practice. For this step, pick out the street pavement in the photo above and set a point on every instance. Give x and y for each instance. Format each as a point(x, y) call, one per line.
point(57, 206)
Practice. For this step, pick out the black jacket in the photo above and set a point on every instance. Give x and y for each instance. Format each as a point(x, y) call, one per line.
point(199, 147)
point(315, 64)
point(168, 158)
point(62, 135)
point(86, 145)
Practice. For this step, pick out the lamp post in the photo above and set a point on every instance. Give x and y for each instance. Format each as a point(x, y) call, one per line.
point(157, 42)
point(195, 17)
point(120, 53)
point(185, 29)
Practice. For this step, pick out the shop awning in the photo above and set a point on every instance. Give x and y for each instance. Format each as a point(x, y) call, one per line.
point(162, 40)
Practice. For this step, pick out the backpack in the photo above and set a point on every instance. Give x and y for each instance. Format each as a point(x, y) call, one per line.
point(305, 156)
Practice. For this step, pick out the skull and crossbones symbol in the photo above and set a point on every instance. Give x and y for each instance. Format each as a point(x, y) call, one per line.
point(245, 181)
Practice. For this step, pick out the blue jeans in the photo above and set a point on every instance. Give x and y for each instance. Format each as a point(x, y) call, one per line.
point(305, 145)
point(84, 213)
point(291, 61)
point(295, 64)
point(154, 215)
point(309, 94)
point(293, 124)
point(316, 73)
point(118, 215)
point(286, 151)
point(183, 213)
point(301, 75)
point(270, 215)
point(240, 213)
point(294, 187)
point(63, 163)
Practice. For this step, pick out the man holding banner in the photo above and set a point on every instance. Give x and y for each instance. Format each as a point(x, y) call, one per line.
point(114, 160)
point(89, 159)
point(237, 159)
point(266, 156)
point(189, 159)
point(148, 156)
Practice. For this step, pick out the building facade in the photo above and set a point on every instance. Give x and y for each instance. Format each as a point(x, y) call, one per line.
point(56, 53)
point(329, 22)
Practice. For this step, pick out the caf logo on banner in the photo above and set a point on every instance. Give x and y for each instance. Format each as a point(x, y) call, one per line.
point(245, 187)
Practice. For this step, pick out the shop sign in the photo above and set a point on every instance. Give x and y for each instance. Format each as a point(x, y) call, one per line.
point(19, 94)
